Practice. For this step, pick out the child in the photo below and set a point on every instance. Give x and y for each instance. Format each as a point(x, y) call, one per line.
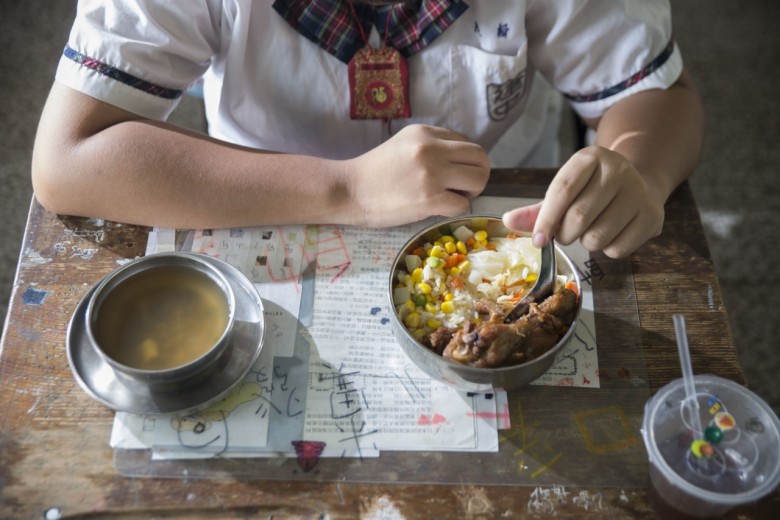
point(365, 113)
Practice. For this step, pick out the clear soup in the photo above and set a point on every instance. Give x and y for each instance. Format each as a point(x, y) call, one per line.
point(162, 318)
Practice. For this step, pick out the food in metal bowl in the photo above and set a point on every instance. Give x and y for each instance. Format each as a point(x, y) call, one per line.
point(453, 290)
point(162, 318)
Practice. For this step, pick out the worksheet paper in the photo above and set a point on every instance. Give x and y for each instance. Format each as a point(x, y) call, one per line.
point(364, 390)
point(351, 391)
point(364, 412)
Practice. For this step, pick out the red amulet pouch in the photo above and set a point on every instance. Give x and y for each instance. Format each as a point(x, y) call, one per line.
point(378, 85)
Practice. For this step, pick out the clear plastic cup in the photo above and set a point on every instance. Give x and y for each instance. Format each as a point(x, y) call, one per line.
point(734, 460)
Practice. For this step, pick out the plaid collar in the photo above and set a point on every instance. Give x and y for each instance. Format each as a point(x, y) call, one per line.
point(407, 27)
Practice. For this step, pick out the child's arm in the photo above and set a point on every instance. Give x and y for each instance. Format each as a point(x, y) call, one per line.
point(94, 159)
point(611, 196)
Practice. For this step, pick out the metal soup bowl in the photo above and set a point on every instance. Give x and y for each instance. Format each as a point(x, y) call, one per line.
point(196, 368)
point(464, 377)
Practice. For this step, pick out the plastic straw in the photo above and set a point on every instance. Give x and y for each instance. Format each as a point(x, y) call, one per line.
point(685, 363)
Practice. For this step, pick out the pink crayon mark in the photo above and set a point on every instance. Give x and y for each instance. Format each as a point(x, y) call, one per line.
point(332, 253)
point(308, 453)
point(341, 272)
point(425, 420)
point(208, 247)
point(501, 417)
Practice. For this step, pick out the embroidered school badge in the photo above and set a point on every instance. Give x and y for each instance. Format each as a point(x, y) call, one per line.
point(503, 97)
point(379, 85)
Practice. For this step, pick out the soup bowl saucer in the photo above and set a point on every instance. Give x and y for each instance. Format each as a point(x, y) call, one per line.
point(101, 382)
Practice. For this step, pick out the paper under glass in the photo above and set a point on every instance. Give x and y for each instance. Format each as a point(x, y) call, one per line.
point(320, 404)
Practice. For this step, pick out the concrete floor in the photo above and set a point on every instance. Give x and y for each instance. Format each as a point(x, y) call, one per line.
point(732, 50)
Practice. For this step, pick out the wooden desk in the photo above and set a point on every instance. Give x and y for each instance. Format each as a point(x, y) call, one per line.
point(54, 449)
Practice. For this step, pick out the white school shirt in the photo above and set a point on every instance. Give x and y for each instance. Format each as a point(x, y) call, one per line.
point(266, 86)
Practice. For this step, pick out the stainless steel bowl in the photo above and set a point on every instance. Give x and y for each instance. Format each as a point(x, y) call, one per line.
point(465, 377)
point(195, 369)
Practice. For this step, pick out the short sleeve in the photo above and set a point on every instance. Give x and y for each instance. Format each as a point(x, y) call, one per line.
point(140, 56)
point(597, 52)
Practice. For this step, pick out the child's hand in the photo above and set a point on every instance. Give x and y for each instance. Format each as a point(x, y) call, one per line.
point(420, 171)
point(598, 197)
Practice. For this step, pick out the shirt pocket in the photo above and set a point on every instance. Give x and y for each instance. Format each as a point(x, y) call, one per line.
point(488, 91)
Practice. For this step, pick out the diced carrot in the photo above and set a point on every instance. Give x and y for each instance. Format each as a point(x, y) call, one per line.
point(456, 282)
point(511, 235)
point(453, 260)
point(516, 297)
point(420, 251)
point(491, 246)
point(572, 286)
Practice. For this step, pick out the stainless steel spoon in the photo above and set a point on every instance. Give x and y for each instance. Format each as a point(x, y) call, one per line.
point(543, 287)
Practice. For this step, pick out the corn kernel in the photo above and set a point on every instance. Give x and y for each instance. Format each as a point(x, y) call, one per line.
point(437, 251)
point(455, 271)
point(448, 307)
point(419, 334)
point(417, 275)
point(464, 265)
point(424, 288)
point(462, 247)
point(412, 321)
point(431, 307)
point(448, 296)
point(531, 277)
point(480, 236)
point(409, 304)
point(434, 323)
point(450, 247)
point(447, 239)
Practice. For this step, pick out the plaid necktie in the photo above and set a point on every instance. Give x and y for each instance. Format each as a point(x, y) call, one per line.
point(407, 27)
